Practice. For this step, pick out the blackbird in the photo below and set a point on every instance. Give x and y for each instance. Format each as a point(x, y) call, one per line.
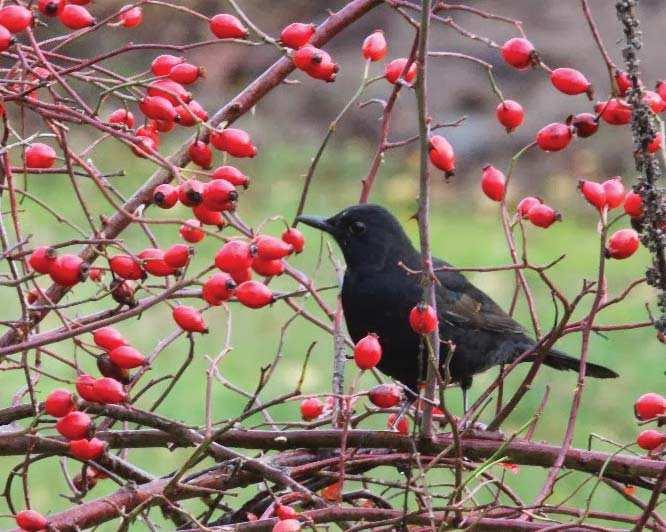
point(378, 294)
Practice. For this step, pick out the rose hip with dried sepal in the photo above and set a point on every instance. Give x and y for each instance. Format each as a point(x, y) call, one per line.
point(543, 216)
point(226, 26)
point(519, 53)
point(165, 196)
point(622, 244)
point(510, 114)
point(218, 288)
point(423, 319)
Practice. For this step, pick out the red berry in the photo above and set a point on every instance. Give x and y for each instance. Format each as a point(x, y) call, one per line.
point(226, 26)
point(178, 255)
point(158, 108)
point(191, 231)
point(145, 146)
point(570, 81)
point(59, 403)
point(268, 267)
point(15, 18)
point(162, 64)
point(241, 276)
point(185, 73)
point(218, 288)
point(235, 142)
point(615, 112)
point(191, 114)
point(231, 174)
point(402, 426)
point(253, 294)
point(121, 117)
point(108, 338)
point(85, 387)
point(235, 255)
point(633, 204)
point(394, 71)
point(650, 439)
point(76, 17)
point(510, 114)
point(543, 216)
point(287, 525)
point(191, 192)
point(655, 144)
point(189, 319)
point(493, 183)
point(649, 405)
point(385, 395)
point(282, 512)
point(169, 89)
point(594, 193)
point(305, 57)
point(31, 520)
point(109, 391)
point(6, 40)
point(49, 8)
point(126, 267)
point(585, 124)
point(442, 155)
point(39, 155)
point(165, 196)
point(423, 319)
point(297, 34)
point(654, 101)
point(311, 408)
point(42, 259)
point(219, 195)
point(153, 262)
point(374, 46)
point(614, 190)
point(519, 53)
point(294, 237)
point(554, 137)
point(623, 82)
point(131, 16)
point(208, 217)
point(368, 352)
point(68, 270)
point(87, 449)
point(74, 425)
point(201, 154)
point(32, 296)
point(126, 357)
point(622, 244)
point(272, 248)
point(525, 204)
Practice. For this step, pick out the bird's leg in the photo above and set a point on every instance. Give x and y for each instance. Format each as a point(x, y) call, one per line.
point(465, 384)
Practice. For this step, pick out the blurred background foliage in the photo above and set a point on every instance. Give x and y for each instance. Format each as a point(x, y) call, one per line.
point(288, 125)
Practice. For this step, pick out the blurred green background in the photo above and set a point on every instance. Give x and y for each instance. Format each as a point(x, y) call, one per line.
point(288, 126)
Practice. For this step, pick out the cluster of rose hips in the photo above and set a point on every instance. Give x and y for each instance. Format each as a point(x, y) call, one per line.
point(651, 407)
point(367, 354)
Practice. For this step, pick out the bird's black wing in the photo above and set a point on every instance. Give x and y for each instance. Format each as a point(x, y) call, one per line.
point(463, 304)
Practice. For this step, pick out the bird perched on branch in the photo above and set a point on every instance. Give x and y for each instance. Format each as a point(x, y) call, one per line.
point(378, 294)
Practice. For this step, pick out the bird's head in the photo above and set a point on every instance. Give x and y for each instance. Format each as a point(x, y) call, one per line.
point(369, 236)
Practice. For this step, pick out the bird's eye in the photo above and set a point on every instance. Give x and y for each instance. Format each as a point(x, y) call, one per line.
point(357, 228)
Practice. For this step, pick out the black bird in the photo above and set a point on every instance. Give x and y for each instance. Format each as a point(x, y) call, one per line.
point(378, 294)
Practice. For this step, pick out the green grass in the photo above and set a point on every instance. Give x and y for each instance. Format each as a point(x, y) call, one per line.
point(465, 231)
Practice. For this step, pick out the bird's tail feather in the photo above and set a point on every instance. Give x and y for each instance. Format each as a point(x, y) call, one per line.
point(558, 360)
